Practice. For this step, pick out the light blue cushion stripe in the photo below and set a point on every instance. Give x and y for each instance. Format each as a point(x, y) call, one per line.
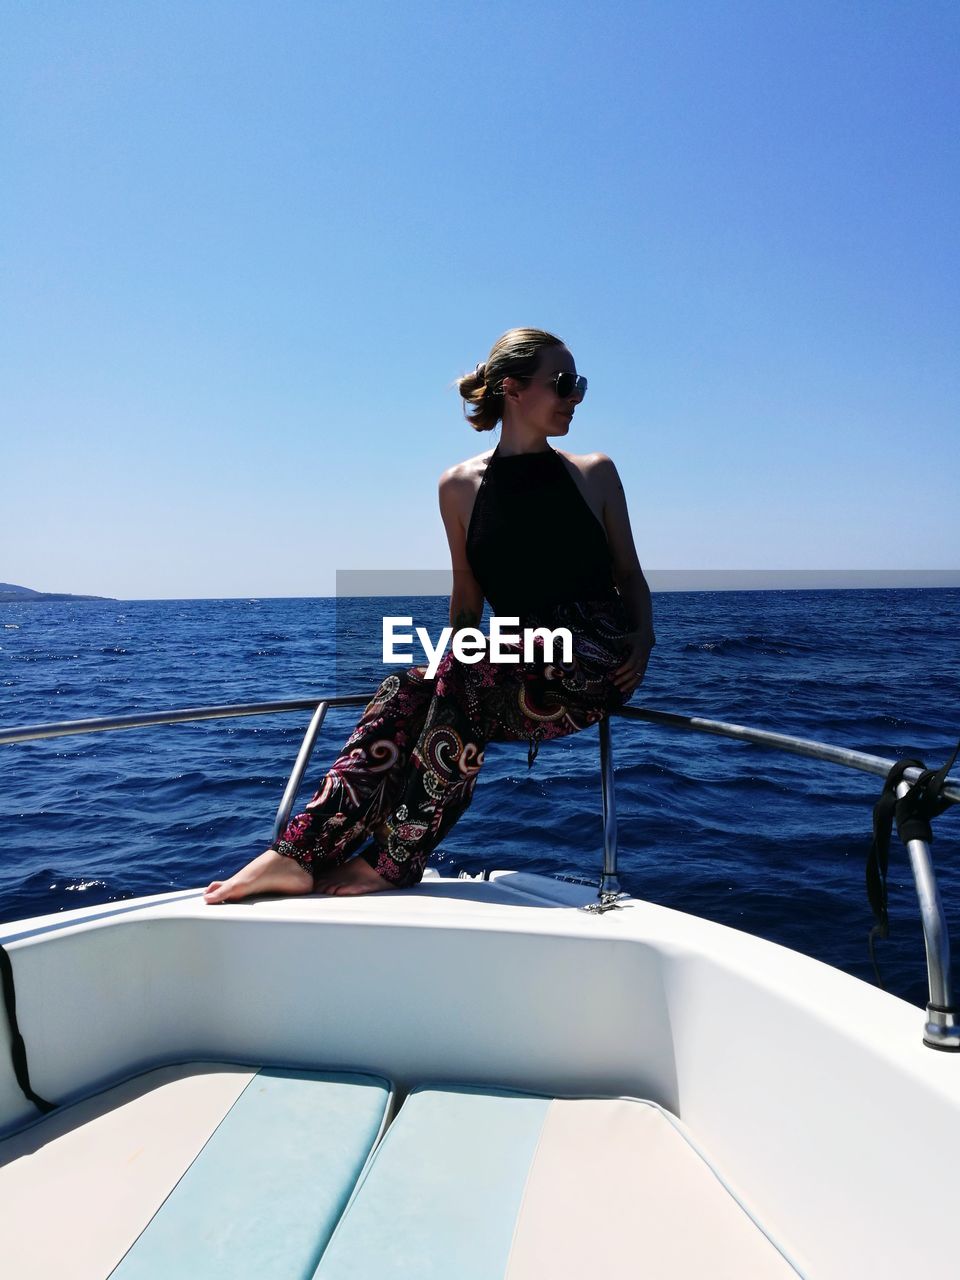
point(441, 1196)
point(263, 1196)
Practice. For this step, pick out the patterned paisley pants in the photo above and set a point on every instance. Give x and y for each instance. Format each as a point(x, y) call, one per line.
point(408, 770)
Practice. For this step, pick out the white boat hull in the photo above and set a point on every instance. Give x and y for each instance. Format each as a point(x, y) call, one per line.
point(809, 1090)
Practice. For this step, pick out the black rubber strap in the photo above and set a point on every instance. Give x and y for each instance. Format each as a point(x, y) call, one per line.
point(878, 858)
point(913, 813)
point(923, 802)
point(18, 1050)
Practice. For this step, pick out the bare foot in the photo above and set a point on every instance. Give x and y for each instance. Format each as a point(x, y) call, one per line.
point(354, 876)
point(271, 872)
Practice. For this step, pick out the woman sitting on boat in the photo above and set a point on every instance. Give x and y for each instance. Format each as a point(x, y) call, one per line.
point(543, 536)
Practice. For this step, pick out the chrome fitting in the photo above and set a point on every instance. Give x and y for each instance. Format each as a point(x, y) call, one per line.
point(608, 897)
point(942, 1030)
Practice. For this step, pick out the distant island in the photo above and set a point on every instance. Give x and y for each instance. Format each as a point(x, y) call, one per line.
point(10, 592)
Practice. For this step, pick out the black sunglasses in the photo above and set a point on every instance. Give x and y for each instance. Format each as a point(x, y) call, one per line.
point(564, 384)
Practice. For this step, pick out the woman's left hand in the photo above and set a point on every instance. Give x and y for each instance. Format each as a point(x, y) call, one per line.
point(634, 666)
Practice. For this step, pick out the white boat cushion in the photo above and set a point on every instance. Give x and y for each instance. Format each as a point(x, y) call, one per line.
point(199, 1170)
point(487, 1184)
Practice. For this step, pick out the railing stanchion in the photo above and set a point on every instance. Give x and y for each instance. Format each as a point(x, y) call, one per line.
point(609, 890)
point(943, 1024)
point(299, 767)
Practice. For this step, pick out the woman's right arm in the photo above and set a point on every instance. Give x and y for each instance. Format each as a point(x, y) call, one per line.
point(466, 599)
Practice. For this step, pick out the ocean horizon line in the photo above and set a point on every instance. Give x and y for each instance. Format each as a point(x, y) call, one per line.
point(389, 583)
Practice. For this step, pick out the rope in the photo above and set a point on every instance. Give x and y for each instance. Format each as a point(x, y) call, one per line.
point(18, 1050)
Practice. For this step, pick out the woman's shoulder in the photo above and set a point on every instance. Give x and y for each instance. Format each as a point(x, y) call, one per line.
point(459, 484)
point(465, 473)
point(586, 462)
point(596, 469)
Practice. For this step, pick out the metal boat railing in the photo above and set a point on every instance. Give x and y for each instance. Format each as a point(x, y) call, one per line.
point(942, 1029)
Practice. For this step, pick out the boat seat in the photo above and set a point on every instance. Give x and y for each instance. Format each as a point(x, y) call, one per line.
point(482, 1183)
point(203, 1170)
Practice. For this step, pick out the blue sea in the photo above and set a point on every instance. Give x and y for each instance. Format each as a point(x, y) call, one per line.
point(766, 842)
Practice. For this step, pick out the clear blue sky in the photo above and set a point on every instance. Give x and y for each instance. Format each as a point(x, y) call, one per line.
point(249, 246)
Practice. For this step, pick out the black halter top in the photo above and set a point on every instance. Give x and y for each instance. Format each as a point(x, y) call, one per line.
point(533, 541)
